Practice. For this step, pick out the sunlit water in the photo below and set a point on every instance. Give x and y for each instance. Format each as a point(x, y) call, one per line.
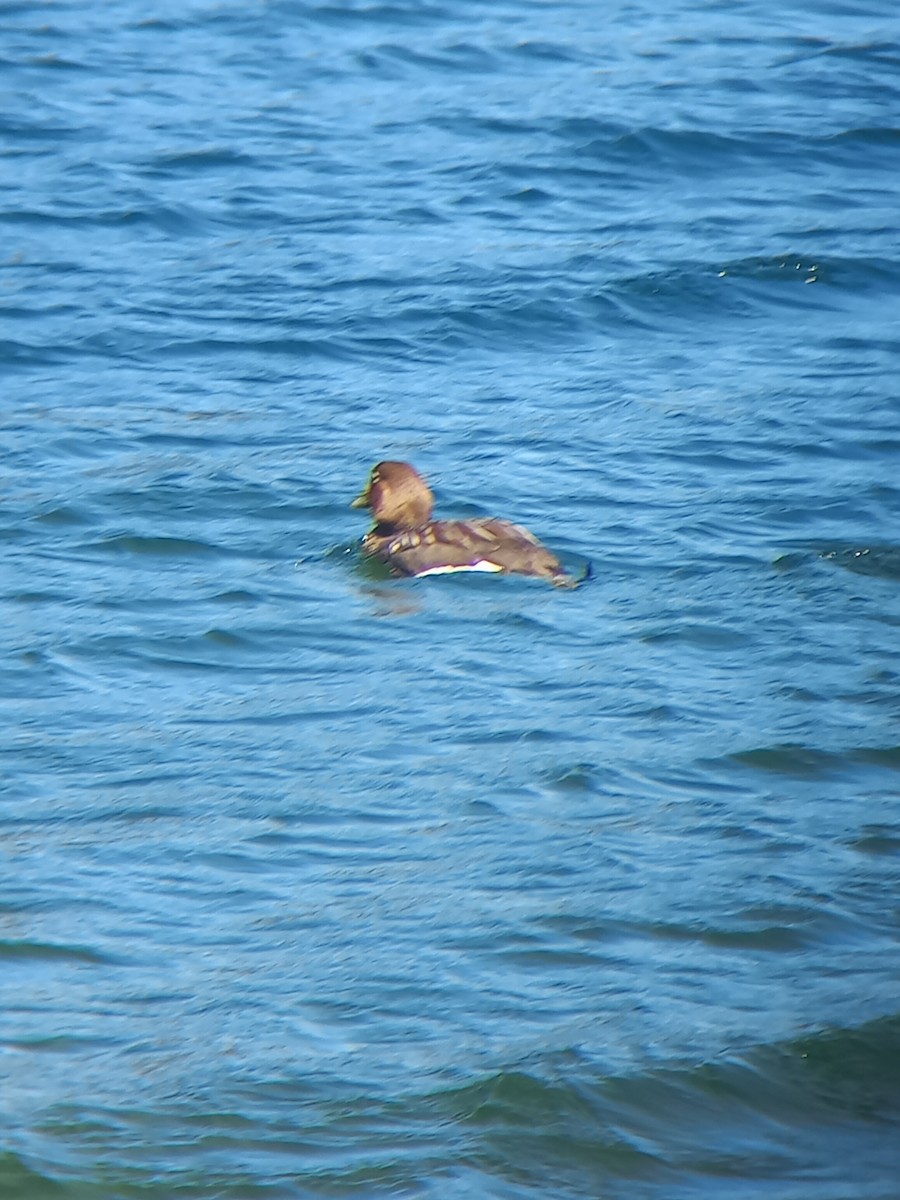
point(317, 883)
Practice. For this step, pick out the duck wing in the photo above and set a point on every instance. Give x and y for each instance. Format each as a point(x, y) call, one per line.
point(484, 545)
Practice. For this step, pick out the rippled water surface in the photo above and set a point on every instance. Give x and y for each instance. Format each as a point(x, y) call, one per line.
point(316, 883)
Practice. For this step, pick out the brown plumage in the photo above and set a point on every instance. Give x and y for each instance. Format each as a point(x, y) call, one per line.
point(410, 543)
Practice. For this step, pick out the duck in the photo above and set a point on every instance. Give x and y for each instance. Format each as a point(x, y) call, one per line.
point(410, 543)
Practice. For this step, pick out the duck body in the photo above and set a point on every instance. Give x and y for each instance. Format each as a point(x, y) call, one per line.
point(410, 543)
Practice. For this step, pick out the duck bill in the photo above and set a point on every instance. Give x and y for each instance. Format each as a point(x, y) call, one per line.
point(362, 500)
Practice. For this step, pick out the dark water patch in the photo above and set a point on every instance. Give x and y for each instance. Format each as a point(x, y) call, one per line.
point(698, 152)
point(691, 150)
point(546, 51)
point(30, 313)
point(119, 810)
point(881, 756)
point(339, 348)
point(164, 547)
point(460, 57)
point(63, 515)
point(793, 759)
point(773, 938)
point(793, 269)
point(167, 652)
point(878, 840)
point(36, 129)
point(752, 1116)
point(530, 196)
point(62, 1044)
point(881, 561)
point(464, 123)
point(863, 348)
point(771, 1114)
point(224, 637)
point(32, 599)
point(19, 1182)
point(565, 1136)
point(773, 929)
point(186, 655)
point(507, 736)
point(773, 1093)
point(793, 560)
point(703, 637)
point(876, 135)
point(880, 52)
point(292, 718)
point(680, 291)
point(806, 762)
point(182, 221)
point(18, 355)
point(56, 62)
point(540, 958)
point(223, 865)
point(481, 320)
point(580, 777)
point(238, 597)
point(881, 688)
point(24, 951)
point(587, 929)
point(207, 158)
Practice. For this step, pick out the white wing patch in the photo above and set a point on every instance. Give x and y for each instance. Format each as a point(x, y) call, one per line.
point(481, 565)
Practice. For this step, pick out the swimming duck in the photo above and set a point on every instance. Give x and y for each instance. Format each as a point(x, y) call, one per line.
point(410, 543)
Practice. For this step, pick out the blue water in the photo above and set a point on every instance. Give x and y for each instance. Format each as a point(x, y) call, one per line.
point(316, 883)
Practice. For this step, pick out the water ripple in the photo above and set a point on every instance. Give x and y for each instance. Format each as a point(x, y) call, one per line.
point(318, 880)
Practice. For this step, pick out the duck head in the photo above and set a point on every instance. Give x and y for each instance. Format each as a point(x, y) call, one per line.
point(397, 495)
